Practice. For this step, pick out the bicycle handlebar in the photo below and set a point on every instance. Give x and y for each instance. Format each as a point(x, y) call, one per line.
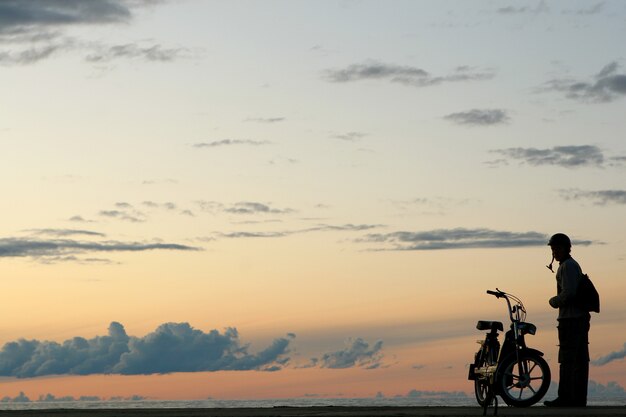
point(496, 293)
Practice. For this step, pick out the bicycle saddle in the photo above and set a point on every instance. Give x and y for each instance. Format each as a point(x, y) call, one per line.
point(489, 325)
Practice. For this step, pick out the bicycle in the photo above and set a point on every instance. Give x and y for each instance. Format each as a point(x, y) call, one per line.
point(515, 372)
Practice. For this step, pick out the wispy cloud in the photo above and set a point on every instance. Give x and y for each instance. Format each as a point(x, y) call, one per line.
point(137, 217)
point(48, 250)
point(230, 142)
point(147, 52)
point(587, 11)
point(172, 347)
point(458, 238)
point(65, 232)
point(539, 7)
point(598, 197)
point(350, 136)
point(252, 207)
point(266, 119)
point(479, 117)
point(285, 233)
point(610, 357)
point(563, 156)
point(403, 74)
point(242, 208)
point(606, 86)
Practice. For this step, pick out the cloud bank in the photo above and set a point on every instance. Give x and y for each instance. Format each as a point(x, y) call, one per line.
point(458, 238)
point(402, 74)
point(172, 347)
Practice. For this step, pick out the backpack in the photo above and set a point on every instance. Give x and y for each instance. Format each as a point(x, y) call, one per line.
point(587, 296)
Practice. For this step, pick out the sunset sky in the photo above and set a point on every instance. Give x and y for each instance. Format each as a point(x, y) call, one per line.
point(271, 199)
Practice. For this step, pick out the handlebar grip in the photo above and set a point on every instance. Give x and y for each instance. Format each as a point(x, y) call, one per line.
point(497, 294)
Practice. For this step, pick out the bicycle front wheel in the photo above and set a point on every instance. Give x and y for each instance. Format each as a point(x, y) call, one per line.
point(522, 383)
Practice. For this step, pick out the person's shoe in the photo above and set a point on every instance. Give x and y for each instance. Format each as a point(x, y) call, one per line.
point(558, 402)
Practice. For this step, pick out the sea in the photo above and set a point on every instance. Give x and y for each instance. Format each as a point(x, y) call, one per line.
point(269, 403)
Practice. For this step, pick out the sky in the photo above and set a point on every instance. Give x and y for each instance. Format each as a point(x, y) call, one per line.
point(244, 199)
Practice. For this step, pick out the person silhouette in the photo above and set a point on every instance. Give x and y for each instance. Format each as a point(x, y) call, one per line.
point(573, 327)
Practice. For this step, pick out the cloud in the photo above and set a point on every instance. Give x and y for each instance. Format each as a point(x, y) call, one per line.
point(405, 75)
point(541, 7)
point(478, 117)
point(64, 249)
point(137, 217)
point(599, 197)
point(563, 156)
point(266, 119)
point(66, 232)
point(241, 207)
point(34, 30)
point(285, 233)
point(357, 353)
point(590, 10)
point(458, 238)
point(172, 347)
point(606, 86)
point(27, 15)
point(152, 52)
point(230, 142)
point(610, 357)
point(350, 136)
point(251, 207)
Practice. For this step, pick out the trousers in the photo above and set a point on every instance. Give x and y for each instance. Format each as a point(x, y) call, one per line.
point(574, 359)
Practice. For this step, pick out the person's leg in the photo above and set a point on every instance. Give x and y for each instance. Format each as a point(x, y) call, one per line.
point(567, 358)
point(581, 365)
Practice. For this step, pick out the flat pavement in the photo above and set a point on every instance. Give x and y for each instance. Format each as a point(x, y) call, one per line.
point(539, 411)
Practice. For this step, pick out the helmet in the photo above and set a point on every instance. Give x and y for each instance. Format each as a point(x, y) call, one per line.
point(560, 239)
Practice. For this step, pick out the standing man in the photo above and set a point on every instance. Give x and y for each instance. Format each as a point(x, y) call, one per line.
point(573, 328)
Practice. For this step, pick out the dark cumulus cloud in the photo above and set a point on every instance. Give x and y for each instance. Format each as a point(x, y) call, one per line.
point(230, 142)
point(357, 353)
point(172, 347)
point(67, 249)
point(17, 16)
point(459, 238)
point(610, 357)
point(479, 117)
point(598, 197)
point(562, 156)
point(402, 74)
point(34, 30)
point(606, 86)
